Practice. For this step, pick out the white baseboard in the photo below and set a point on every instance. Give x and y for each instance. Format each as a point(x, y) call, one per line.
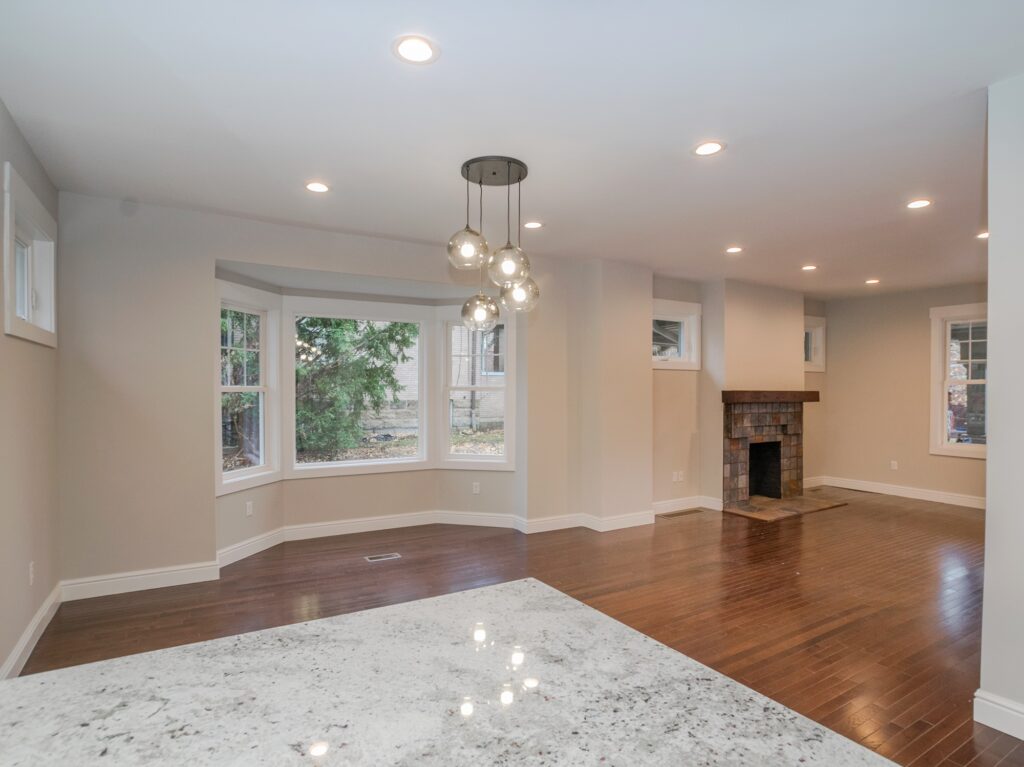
point(917, 493)
point(999, 713)
point(547, 524)
point(678, 504)
point(138, 580)
point(237, 551)
point(27, 641)
point(618, 522)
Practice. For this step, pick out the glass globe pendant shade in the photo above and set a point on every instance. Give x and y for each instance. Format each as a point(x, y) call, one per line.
point(480, 313)
point(508, 266)
point(522, 297)
point(467, 249)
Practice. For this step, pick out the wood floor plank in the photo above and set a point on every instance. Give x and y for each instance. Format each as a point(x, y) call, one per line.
point(866, 617)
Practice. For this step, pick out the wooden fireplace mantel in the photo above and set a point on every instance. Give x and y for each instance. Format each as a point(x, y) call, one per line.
point(735, 396)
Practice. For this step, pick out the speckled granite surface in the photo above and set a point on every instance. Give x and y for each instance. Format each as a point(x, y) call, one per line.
point(546, 681)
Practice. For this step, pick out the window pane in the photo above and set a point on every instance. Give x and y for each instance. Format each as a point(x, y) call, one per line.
point(666, 339)
point(237, 330)
point(808, 346)
point(356, 390)
point(236, 362)
point(252, 368)
point(965, 414)
point(252, 331)
point(979, 330)
point(958, 363)
point(477, 359)
point(978, 371)
point(959, 331)
point(225, 327)
point(21, 266)
point(979, 350)
point(477, 423)
point(241, 418)
point(225, 367)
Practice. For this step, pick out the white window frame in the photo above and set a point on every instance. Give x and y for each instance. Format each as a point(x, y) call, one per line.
point(268, 306)
point(816, 326)
point(941, 317)
point(448, 316)
point(27, 220)
point(302, 306)
point(689, 314)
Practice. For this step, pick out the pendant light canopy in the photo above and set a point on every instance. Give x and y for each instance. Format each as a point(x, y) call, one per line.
point(509, 267)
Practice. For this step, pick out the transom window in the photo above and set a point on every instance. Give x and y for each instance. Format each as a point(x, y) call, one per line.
point(675, 335)
point(959, 375)
point(243, 389)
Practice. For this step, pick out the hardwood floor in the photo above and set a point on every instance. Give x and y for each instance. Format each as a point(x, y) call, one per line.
point(866, 618)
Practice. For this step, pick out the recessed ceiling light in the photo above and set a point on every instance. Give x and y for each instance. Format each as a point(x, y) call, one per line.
point(983, 236)
point(734, 249)
point(317, 186)
point(919, 204)
point(872, 281)
point(809, 268)
point(532, 225)
point(415, 49)
point(707, 148)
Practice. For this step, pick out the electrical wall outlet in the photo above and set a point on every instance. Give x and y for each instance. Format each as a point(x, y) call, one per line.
point(31, 573)
point(248, 508)
point(677, 476)
point(894, 465)
point(476, 488)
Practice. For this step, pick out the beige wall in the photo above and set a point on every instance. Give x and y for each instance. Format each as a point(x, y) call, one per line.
point(615, 389)
point(877, 400)
point(764, 332)
point(136, 379)
point(676, 440)
point(28, 439)
point(711, 381)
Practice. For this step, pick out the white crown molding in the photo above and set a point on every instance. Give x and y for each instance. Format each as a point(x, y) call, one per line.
point(999, 713)
point(917, 493)
point(27, 641)
point(138, 580)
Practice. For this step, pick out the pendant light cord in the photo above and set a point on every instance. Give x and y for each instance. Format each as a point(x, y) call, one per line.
point(481, 229)
point(519, 213)
point(467, 199)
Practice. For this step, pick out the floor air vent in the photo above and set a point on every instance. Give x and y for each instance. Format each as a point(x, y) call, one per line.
point(382, 557)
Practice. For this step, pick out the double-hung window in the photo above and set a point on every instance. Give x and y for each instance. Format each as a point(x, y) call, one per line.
point(477, 393)
point(243, 390)
point(959, 374)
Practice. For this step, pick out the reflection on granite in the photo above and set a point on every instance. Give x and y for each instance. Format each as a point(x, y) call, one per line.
point(515, 674)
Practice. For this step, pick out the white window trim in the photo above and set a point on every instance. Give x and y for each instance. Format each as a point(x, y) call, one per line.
point(297, 306)
point(444, 459)
point(269, 306)
point(690, 315)
point(819, 336)
point(941, 316)
point(26, 219)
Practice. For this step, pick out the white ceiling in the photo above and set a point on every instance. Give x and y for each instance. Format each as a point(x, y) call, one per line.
point(835, 113)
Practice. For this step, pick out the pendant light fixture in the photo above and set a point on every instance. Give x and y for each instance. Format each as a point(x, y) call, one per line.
point(509, 267)
point(467, 248)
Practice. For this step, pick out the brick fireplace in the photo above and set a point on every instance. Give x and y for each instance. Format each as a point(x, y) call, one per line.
point(763, 446)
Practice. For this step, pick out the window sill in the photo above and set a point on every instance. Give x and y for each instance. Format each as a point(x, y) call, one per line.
point(352, 468)
point(674, 365)
point(814, 367)
point(476, 463)
point(246, 481)
point(979, 452)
